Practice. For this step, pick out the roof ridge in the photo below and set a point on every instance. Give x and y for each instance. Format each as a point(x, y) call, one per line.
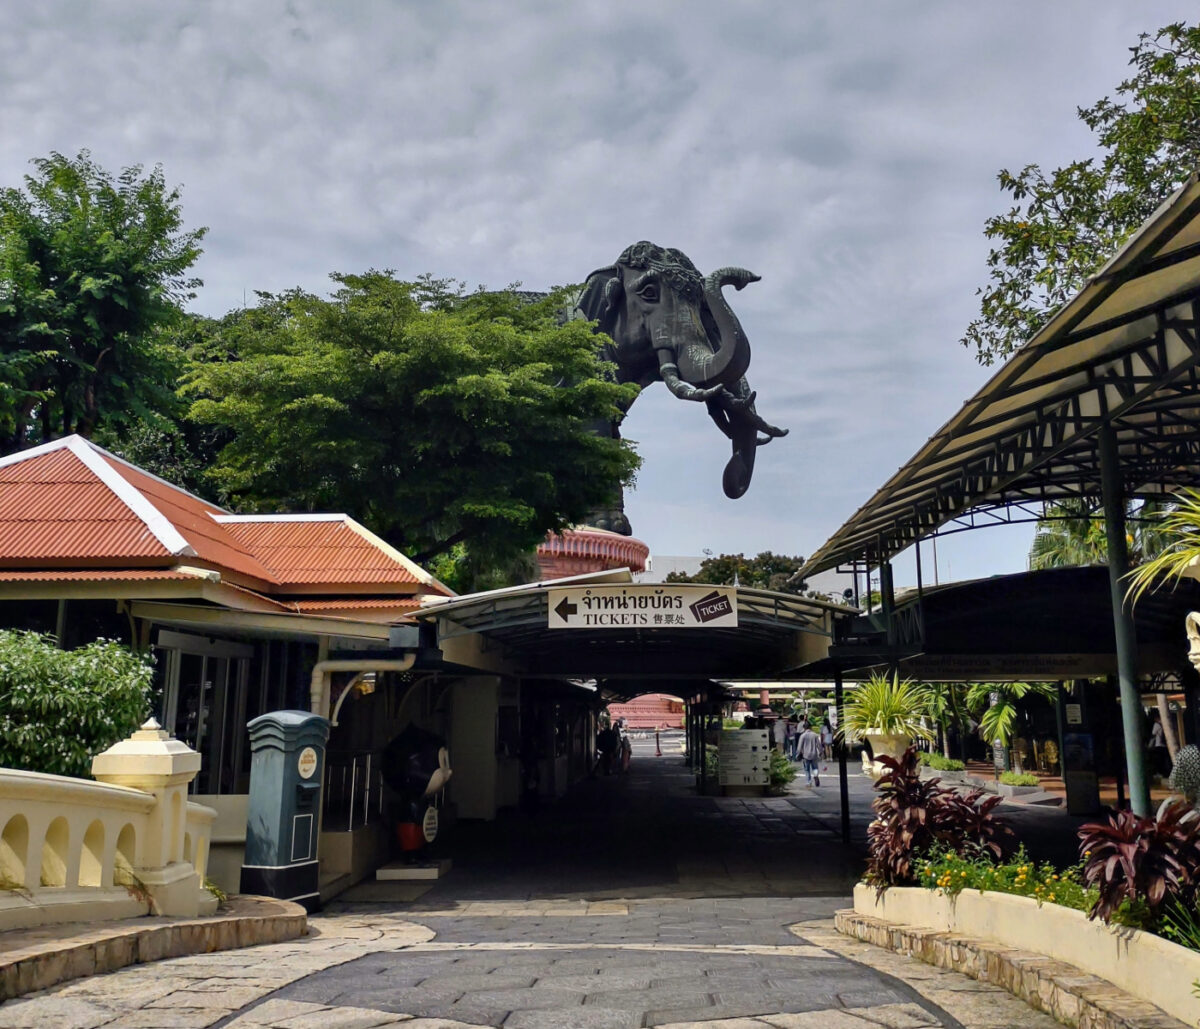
point(156, 523)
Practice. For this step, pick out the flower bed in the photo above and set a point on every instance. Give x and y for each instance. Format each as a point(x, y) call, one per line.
point(1143, 965)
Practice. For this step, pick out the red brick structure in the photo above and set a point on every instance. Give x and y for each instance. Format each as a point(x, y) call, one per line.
point(583, 549)
point(650, 711)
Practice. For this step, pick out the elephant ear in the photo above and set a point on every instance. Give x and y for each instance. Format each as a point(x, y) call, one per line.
point(597, 301)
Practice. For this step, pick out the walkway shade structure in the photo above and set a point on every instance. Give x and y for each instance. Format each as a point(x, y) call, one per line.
point(1102, 404)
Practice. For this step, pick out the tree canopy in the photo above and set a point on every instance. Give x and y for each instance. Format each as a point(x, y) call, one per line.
point(434, 416)
point(1064, 224)
point(764, 571)
point(92, 267)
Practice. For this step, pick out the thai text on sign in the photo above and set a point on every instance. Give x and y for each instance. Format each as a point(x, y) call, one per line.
point(642, 607)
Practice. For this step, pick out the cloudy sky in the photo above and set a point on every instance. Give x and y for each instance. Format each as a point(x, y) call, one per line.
point(846, 152)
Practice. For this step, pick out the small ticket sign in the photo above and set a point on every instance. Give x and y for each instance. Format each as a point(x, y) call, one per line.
point(743, 757)
point(657, 606)
point(306, 763)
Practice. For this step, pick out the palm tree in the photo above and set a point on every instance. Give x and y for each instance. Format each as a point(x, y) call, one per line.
point(997, 704)
point(1071, 536)
point(947, 706)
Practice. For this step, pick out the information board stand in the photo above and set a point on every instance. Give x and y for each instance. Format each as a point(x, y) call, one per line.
point(744, 760)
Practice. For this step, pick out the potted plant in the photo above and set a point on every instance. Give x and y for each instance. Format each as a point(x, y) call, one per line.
point(887, 712)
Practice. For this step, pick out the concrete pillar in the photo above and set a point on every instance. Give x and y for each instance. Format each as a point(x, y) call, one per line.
point(151, 761)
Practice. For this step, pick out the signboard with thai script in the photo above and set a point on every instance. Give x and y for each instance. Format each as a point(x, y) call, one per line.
point(658, 606)
point(743, 757)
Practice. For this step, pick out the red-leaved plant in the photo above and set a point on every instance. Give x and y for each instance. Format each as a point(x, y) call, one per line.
point(1151, 860)
point(914, 814)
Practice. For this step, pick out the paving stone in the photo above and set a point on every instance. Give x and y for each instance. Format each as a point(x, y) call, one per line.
point(340, 1018)
point(821, 1018)
point(584, 1018)
point(276, 1010)
point(178, 1018)
point(896, 1016)
point(59, 1012)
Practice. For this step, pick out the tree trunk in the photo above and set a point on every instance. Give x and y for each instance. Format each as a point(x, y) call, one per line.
point(1168, 724)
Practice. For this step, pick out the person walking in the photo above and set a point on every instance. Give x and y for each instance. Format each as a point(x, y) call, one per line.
point(810, 753)
point(827, 740)
point(790, 735)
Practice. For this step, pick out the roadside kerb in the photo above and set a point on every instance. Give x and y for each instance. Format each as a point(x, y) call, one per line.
point(38, 958)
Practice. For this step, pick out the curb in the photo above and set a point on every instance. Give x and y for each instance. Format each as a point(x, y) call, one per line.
point(34, 959)
point(1063, 991)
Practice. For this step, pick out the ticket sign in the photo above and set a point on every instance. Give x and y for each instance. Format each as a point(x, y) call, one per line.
point(642, 607)
point(743, 757)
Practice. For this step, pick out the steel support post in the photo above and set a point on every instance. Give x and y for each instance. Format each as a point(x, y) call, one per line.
point(843, 783)
point(1123, 627)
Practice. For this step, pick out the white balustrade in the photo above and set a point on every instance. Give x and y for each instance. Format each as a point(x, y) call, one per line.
point(77, 850)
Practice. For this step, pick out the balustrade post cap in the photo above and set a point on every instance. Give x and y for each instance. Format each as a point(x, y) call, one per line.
point(150, 758)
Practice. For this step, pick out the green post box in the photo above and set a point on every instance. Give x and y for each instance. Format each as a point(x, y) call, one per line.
point(287, 766)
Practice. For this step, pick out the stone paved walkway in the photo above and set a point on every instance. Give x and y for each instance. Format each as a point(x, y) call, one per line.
point(635, 903)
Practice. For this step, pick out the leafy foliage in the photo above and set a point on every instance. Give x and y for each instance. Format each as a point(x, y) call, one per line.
point(939, 763)
point(914, 816)
point(952, 873)
point(1019, 779)
point(59, 708)
point(1180, 534)
point(998, 704)
point(1150, 860)
point(1065, 223)
point(92, 268)
point(780, 772)
point(886, 704)
point(764, 571)
point(432, 416)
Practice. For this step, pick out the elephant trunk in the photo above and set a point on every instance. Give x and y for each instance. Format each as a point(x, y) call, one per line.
point(728, 362)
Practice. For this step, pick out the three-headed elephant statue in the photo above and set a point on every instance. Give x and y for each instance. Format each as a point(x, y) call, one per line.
point(670, 324)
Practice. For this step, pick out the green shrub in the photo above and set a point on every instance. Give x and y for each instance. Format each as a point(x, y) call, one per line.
point(780, 773)
point(1019, 779)
point(939, 763)
point(950, 872)
point(59, 708)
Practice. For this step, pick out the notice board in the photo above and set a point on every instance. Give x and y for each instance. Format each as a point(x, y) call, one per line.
point(744, 757)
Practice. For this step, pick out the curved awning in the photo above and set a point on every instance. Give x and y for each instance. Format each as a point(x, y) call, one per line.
point(1123, 353)
point(774, 632)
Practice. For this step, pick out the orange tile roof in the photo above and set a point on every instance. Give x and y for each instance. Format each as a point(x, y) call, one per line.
point(53, 507)
point(70, 502)
point(354, 603)
point(306, 551)
point(194, 520)
point(94, 575)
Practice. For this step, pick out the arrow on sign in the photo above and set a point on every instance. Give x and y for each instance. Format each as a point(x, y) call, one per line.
point(565, 608)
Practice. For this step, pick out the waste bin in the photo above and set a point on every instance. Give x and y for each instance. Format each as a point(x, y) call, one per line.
point(287, 767)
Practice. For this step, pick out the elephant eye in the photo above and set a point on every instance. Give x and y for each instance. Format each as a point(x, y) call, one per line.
point(649, 292)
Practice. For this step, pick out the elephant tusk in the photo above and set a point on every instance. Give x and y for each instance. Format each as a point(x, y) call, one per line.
point(684, 390)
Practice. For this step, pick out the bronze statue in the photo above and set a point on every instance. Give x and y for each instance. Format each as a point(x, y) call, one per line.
point(670, 324)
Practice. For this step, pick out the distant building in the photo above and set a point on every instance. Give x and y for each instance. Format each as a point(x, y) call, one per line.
point(651, 711)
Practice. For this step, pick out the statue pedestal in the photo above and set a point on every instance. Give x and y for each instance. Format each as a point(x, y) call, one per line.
point(582, 549)
point(427, 870)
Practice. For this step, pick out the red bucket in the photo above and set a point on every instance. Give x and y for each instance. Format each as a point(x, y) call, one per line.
point(410, 836)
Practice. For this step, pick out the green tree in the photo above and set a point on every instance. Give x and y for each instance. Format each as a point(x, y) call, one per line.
point(1064, 224)
point(997, 705)
point(946, 704)
point(60, 708)
point(92, 268)
point(764, 571)
point(434, 417)
point(1073, 535)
